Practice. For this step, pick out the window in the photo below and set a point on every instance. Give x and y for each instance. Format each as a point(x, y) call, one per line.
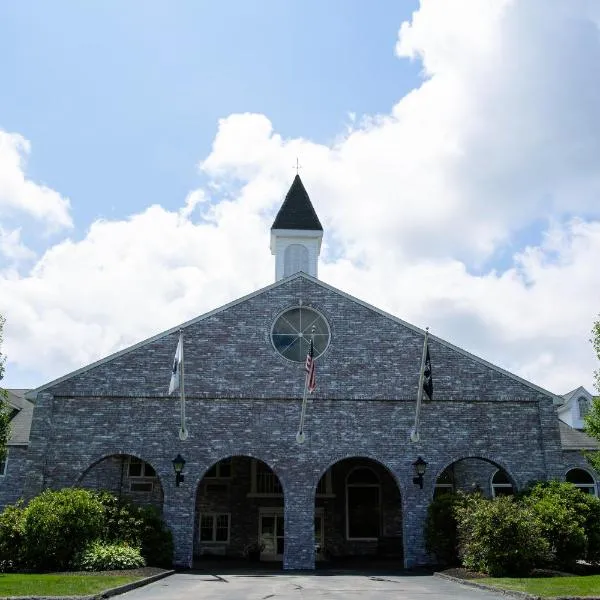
point(293, 330)
point(141, 486)
point(3, 463)
point(501, 484)
point(584, 407)
point(444, 483)
point(266, 481)
point(214, 527)
point(139, 468)
point(583, 480)
point(295, 258)
point(363, 505)
point(220, 470)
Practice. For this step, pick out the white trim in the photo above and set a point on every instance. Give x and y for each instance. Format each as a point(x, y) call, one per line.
point(214, 516)
point(360, 485)
point(31, 395)
point(503, 486)
point(584, 486)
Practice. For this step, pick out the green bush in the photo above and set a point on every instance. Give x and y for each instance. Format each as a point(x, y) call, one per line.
point(500, 537)
point(591, 527)
point(561, 511)
point(140, 526)
point(441, 537)
point(58, 524)
point(11, 537)
point(100, 556)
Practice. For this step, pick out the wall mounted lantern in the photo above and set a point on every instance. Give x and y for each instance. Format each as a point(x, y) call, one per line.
point(178, 464)
point(420, 467)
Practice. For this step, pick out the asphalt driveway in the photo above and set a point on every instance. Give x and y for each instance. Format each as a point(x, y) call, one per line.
point(329, 586)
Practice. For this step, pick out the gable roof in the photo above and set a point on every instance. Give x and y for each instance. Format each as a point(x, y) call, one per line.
point(168, 338)
point(573, 439)
point(566, 398)
point(297, 211)
point(20, 423)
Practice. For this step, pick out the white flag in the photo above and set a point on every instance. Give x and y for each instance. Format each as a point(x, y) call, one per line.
point(176, 372)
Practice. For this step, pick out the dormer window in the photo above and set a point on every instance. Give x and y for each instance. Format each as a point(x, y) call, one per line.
point(584, 407)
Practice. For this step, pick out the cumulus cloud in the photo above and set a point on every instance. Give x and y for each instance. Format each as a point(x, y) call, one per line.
point(21, 195)
point(500, 138)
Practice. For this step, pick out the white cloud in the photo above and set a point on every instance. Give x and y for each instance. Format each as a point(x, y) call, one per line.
point(21, 195)
point(502, 135)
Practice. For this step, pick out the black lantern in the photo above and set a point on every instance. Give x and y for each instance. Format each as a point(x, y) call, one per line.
point(420, 467)
point(178, 464)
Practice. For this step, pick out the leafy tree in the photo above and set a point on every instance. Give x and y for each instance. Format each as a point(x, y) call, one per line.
point(592, 419)
point(4, 409)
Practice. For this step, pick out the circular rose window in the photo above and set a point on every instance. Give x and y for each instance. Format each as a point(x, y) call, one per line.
point(293, 330)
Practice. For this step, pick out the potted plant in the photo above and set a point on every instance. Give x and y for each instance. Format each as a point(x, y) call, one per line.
point(253, 549)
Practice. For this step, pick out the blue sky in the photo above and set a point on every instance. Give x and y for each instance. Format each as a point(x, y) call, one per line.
point(122, 99)
point(452, 151)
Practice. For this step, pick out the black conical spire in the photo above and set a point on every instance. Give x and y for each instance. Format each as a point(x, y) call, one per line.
point(297, 211)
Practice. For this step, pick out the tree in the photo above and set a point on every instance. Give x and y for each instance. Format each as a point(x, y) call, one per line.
point(592, 419)
point(4, 410)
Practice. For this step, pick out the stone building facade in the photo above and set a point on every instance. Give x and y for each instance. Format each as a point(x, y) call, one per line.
point(348, 490)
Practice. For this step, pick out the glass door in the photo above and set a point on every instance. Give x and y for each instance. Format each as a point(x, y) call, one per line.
point(272, 536)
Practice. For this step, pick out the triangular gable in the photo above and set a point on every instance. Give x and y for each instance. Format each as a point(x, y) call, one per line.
point(381, 363)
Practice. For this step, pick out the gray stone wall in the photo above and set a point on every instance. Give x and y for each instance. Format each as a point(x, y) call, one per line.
point(244, 400)
point(12, 483)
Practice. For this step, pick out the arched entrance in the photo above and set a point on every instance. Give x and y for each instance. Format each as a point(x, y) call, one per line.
point(126, 476)
point(475, 474)
point(239, 511)
point(358, 513)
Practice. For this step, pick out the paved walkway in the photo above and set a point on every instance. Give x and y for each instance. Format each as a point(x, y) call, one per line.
point(326, 586)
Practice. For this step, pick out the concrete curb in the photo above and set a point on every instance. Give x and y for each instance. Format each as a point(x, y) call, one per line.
point(130, 586)
point(511, 593)
point(489, 588)
point(105, 594)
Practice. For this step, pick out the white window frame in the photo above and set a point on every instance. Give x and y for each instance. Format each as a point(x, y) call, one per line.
point(217, 467)
point(358, 485)
point(214, 516)
point(4, 464)
point(254, 493)
point(504, 486)
point(584, 486)
point(445, 486)
point(143, 472)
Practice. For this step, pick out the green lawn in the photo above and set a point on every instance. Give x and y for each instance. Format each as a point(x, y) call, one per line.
point(18, 584)
point(588, 585)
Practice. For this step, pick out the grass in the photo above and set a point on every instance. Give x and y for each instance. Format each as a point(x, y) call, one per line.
point(52, 584)
point(587, 585)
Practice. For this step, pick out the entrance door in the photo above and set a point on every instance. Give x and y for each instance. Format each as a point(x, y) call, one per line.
point(271, 534)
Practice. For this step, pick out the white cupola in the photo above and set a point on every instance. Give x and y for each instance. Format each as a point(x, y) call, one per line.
point(296, 234)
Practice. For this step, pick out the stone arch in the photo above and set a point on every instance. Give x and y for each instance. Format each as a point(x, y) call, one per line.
point(494, 463)
point(590, 487)
point(358, 520)
point(239, 503)
point(129, 475)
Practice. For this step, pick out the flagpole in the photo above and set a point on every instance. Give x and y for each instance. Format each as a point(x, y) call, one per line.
point(300, 437)
point(414, 434)
point(183, 432)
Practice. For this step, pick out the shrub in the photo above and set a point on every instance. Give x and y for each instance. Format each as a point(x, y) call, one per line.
point(561, 511)
point(100, 556)
point(591, 527)
point(140, 526)
point(441, 537)
point(500, 537)
point(58, 524)
point(11, 537)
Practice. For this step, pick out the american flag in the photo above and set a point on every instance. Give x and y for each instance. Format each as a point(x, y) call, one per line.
point(311, 376)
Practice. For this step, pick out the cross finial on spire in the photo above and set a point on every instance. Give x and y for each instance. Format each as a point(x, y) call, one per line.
point(297, 166)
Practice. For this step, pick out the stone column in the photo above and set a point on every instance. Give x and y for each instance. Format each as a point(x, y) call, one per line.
point(416, 501)
point(178, 514)
point(299, 549)
point(41, 432)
